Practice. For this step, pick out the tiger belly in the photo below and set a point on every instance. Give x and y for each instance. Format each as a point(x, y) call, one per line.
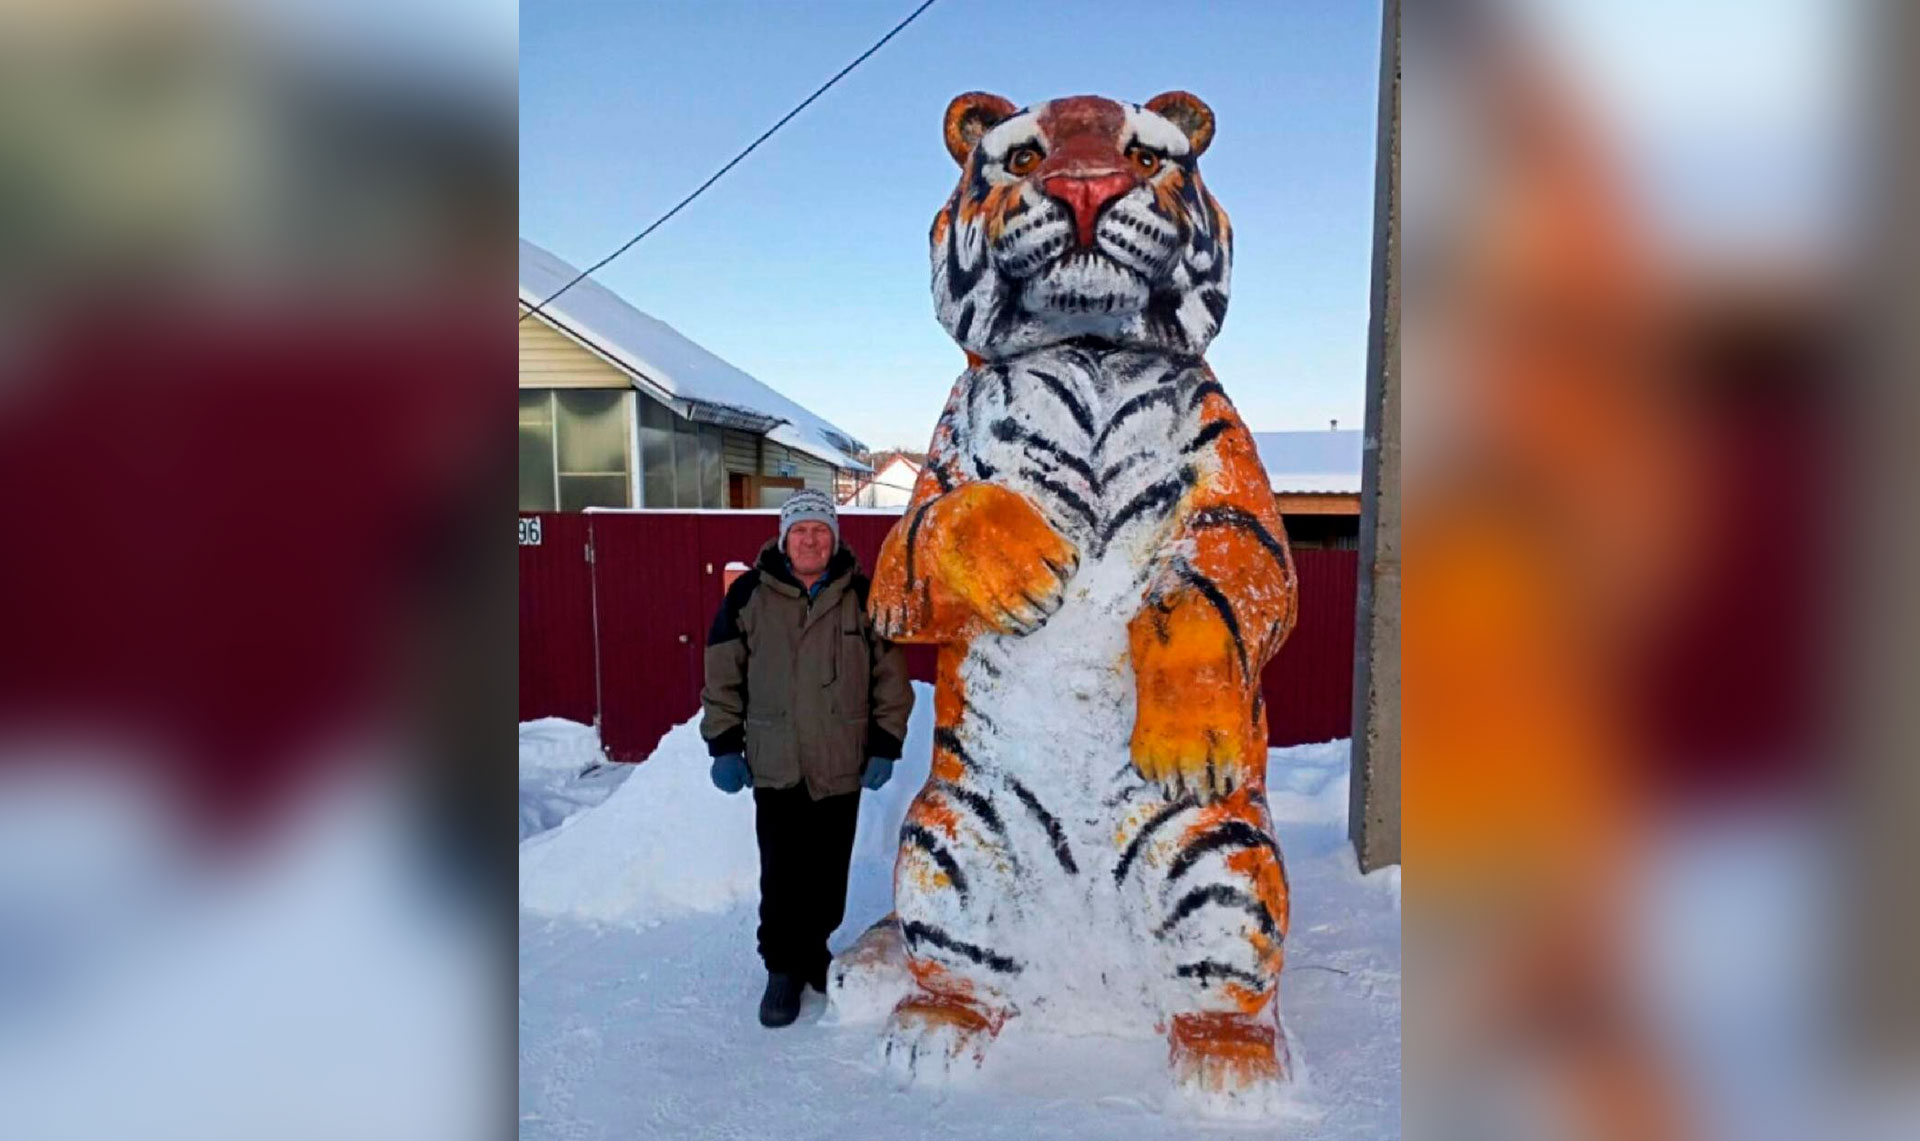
point(1054, 711)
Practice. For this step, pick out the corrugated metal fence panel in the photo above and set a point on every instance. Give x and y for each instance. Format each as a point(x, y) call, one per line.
point(1309, 684)
point(647, 591)
point(556, 621)
point(659, 576)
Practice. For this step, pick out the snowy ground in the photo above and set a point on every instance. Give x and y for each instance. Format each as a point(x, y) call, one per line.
point(639, 982)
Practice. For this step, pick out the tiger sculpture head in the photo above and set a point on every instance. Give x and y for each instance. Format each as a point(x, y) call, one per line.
point(1080, 217)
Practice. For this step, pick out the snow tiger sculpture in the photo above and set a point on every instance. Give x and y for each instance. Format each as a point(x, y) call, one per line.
point(1094, 547)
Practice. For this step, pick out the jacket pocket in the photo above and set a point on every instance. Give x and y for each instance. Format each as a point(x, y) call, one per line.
point(853, 670)
point(771, 753)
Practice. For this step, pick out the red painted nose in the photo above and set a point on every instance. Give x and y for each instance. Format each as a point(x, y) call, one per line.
point(1085, 197)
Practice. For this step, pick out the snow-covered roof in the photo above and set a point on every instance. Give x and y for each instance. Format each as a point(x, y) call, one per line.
point(1311, 462)
point(668, 366)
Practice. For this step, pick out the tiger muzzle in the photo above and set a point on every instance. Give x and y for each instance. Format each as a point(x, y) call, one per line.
point(1086, 197)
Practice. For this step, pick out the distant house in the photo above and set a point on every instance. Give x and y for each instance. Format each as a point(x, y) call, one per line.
point(619, 410)
point(890, 484)
point(1316, 482)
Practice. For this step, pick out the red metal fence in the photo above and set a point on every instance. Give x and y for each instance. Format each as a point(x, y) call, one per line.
point(623, 632)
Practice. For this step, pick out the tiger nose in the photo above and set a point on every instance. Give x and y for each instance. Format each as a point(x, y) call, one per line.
point(1087, 196)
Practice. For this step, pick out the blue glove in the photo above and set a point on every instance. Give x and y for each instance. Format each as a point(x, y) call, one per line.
point(730, 772)
point(877, 772)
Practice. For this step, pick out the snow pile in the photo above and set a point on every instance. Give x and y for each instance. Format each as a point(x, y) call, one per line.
point(1307, 784)
point(667, 843)
point(562, 771)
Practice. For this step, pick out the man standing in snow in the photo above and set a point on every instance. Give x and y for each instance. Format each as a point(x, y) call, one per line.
point(806, 703)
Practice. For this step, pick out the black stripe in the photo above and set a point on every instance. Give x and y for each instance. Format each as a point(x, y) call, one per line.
point(1065, 395)
point(1246, 521)
point(1153, 825)
point(1207, 435)
point(1006, 431)
point(943, 477)
point(1163, 316)
point(1118, 466)
point(998, 371)
point(981, 807)
point(1160, 495)
point(1206, 970)
point(946, 738)
point(1055, 833)
point(973, 713)
point(913, 537)
point(1211, 593)
point(1214, 300)
point(993, 670)
point(960, 281)
point(915, 931)
point(1232, 834)
point(930, 844)
point(1202, 391)
point(1005, 309)
point(1225, 896)
point(1088, 353)
point(1066, 495)
point(1162, 395)
point(965, 322)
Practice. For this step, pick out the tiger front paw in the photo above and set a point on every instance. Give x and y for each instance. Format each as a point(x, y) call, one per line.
point(937, 1039)
point(991, 551)
point(1194, 728)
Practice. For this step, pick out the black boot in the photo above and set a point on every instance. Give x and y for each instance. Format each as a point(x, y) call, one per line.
point(780, 1005)
point(818, 979)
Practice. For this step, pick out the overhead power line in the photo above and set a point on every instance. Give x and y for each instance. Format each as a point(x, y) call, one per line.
point(701, 189)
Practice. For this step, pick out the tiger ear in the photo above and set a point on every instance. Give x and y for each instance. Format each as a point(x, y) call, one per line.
point(1194, 118)
point(971, 115)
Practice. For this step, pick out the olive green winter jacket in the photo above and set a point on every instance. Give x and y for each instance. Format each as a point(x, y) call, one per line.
point(803, 686)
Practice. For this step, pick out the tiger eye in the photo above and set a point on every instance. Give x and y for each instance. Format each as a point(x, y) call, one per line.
point(1144, 160)
point(1023, 160)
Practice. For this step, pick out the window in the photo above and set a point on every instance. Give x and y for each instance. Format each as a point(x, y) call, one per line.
point(656, 453)
point(536, 450)
point(591, 453)
point(681, 463)
point(575, 449)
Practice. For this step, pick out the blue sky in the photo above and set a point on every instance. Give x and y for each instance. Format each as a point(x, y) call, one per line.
point(807, 264)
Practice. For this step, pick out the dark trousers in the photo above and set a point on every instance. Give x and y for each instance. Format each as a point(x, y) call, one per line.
point(805, 846)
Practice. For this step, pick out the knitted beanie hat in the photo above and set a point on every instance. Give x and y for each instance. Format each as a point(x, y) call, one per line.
point(804, 505)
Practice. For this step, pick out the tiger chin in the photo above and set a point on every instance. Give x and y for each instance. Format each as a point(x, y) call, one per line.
point(1094, 549)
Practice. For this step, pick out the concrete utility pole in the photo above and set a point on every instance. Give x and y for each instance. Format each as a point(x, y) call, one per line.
point(1373, 819)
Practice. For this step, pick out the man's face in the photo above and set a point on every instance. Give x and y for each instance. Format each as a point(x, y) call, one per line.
point(809, 546)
